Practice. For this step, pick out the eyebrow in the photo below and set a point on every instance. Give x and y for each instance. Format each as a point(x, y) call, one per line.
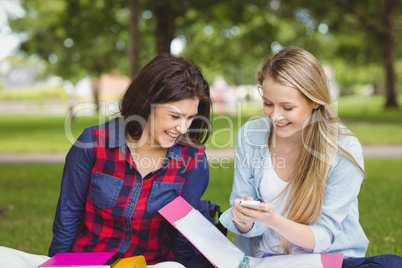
point(283, 102)
point(181, 114)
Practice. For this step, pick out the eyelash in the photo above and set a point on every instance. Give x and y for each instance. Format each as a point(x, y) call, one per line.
point(178, 117)
point(267, 104)
point(286, 109)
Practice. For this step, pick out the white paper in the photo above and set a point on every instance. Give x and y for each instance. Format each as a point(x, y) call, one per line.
point(166, 264)
point(288, 261)
point(214, 245)
point(12, 258)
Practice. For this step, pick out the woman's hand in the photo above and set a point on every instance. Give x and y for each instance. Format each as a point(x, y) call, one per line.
point(265, 213)
point(296, 233)
point(244, 218)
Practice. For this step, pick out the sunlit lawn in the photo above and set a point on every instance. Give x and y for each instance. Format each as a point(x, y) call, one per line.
point(28, 193)
point(28, 197)
point(370, 109)
point(369, 121)
point(365, 116)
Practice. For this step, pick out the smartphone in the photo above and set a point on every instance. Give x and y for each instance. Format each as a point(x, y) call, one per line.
point(250, 204)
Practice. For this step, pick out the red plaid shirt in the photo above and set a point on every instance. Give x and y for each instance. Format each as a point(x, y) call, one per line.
point(105, 204)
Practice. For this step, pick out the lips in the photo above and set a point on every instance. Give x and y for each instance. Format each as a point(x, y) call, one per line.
point(282, 124)
point(171, 134)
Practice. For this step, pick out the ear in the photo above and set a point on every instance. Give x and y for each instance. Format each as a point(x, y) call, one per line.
point(316, 105)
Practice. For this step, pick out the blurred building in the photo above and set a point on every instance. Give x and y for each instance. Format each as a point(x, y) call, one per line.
point(112, 86)
point(19, 76)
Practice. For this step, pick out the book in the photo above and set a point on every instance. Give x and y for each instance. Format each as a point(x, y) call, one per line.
point(83, 260)
point(214, 245)
point(131, 262)
point(222, 253)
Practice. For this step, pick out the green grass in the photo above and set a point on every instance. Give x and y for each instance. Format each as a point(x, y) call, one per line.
point(377, 133)
point(28, 197)
point(369, 109)
point(379, 204)
point(39, 93)
point(24, 133)
point(32, 134)
point(368, 119)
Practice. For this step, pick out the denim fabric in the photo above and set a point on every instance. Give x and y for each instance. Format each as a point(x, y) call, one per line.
point(104, 190)
point(338, 230)
point(161, 194)
point(378, 261)
point(106, 205)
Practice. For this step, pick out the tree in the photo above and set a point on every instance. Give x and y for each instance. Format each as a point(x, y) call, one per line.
point(228, 41)
point(92, 35)
point(374, 22)
point(166, 15)
point(228, 37)
point(379, 19)
point(134, 44)
point(78, 38)
point(358, 33)
point(234, 41)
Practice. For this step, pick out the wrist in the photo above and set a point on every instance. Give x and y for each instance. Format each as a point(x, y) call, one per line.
point(243, 227)
point(273, 220)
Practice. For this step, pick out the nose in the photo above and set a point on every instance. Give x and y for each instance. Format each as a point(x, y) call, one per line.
point(182, 126)
point(276, 115)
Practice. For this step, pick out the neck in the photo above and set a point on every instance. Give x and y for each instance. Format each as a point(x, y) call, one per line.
point(142, 145)
point(286, 145)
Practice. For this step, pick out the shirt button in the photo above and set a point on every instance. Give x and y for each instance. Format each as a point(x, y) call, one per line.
point(128, 236)
point(128, 223)
point(138, 184)
point(132, 204)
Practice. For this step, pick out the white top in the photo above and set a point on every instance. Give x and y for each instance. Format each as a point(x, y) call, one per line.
point(271, 188)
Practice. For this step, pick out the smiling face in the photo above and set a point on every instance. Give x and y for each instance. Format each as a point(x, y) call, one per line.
point(288, 109)
point(169, 120)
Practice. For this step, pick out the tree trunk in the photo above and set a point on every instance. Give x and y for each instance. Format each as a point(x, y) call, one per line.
point(377, 88)
point(95, 92)
point(165, 27)
point(388, 54)
point(387, 43)
point(135, 37)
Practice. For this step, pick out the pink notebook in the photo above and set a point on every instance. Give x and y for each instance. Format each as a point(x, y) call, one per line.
point(85, 259)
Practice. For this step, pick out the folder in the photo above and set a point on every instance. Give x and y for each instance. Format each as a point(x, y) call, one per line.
point(222, 253)
point(84, 259)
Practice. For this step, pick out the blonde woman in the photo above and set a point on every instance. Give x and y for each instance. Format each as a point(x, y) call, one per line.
point(304, 167)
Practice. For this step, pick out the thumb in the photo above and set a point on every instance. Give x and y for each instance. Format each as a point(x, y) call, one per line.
point(268, 207)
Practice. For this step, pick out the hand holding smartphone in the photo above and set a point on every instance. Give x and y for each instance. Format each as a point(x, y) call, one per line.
point(250, 204)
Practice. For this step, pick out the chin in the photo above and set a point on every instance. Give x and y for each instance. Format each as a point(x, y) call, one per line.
point(283, 134)
point(290, 135)
point(167, 144)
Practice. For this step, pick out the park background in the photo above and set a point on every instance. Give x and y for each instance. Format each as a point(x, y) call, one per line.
point(74, 58)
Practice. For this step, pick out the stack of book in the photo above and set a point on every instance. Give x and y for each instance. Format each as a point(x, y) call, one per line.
point(93, 260)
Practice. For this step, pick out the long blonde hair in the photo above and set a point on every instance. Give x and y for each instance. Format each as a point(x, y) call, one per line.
point(299, 69)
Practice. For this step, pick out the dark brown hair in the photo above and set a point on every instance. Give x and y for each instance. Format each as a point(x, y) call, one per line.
point(165, 79)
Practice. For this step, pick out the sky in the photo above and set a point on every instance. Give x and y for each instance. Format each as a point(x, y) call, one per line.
point(8, 40)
